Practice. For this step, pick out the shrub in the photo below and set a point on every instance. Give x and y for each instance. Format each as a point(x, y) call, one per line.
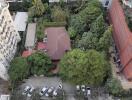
point(18, 70)
point(40, 63)
point(114, 86)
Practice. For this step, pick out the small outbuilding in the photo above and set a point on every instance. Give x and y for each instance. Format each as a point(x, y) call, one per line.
point(58, 42)
point(30, 36)
point(20, 21)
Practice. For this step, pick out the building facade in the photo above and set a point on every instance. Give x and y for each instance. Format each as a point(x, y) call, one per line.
point(9, 37)
point(122, 37)
point(13, 0)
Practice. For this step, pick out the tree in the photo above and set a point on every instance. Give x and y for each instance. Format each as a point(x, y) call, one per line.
point(98, 26)
point(114, 86)
point(77, 23)
point(105, 40)
point(88, 41)
point(38, 8)
point(19, 69)
point(71, 32)
point(81, 67)
point(81, 21)
point(58, 14)
point(40, 63)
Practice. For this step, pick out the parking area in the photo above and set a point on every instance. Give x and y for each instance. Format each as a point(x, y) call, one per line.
point(69, 92)
point(40, 82)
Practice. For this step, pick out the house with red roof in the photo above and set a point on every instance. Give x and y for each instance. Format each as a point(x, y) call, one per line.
point(57, 43)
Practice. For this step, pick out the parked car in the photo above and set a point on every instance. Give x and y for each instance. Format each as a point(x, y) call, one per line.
point(60, 86)
point(29, 94)
point(78, 88)
point(26, 90)
point(88, 90)
point(50, 90)
point(83, 88)
point(55, 92)
point(43, 91)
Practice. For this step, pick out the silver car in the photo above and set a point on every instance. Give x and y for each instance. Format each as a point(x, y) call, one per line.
point(29, 94)
point(43, 91)
point(26, 90)
point(50, 90)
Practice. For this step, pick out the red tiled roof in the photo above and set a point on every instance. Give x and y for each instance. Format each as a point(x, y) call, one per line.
point(41, 46)
point(26, 53)
point(58, 42)
point(122, 36)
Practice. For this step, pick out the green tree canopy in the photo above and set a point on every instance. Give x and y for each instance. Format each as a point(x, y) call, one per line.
point(19, 69)
point(114, 86)
point(58, 14)
point(105, 40)
point(83, 67)
point(88, 41)
point(71, 32)
point(38, 8)
point(81, 21)
point(98, 26)
point(40, 63)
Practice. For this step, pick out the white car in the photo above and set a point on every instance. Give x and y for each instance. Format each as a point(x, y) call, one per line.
point(26, 90)
point(50, 90)
point(43, 91)
point(60, 86)
point(77, 87)
point(88, 90)
point(55, 92)
point(83, 88)
point(30, 92)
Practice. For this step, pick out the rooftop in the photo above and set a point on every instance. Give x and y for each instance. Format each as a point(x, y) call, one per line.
point(26, 53)
point(21, 21)
point(122, 36)
point(58, 42)
point(30, 37)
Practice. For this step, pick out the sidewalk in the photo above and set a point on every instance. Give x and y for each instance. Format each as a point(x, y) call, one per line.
point(125, 83)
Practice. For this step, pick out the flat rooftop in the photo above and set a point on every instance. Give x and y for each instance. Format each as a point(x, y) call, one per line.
point(21, 21)
point(30, 37)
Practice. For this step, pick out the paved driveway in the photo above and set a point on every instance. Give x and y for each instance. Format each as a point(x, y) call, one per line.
point(39, 82)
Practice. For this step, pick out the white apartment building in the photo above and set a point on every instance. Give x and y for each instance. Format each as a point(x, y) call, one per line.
point(9, 37)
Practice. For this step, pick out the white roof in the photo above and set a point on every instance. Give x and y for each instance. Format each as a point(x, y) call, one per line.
point(21, 21)
point(30, 37)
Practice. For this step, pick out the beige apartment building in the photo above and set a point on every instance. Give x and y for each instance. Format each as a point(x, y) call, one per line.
point(9, 37)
